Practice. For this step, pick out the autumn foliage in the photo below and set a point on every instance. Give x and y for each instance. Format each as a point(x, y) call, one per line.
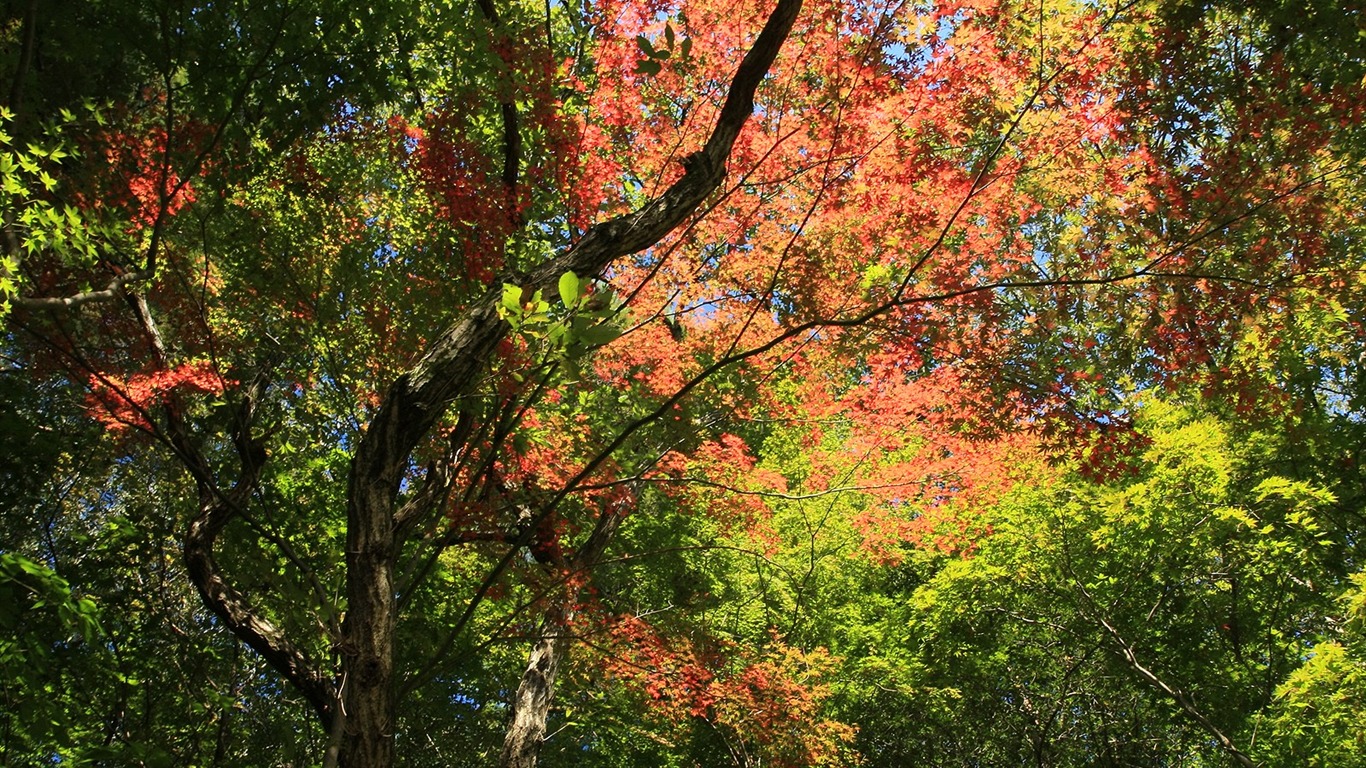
point(956, 269)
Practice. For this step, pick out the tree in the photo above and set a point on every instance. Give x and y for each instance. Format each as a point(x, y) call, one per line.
point(428, 336)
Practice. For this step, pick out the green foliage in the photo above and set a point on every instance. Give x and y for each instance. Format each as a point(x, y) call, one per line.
point(1316, 717)
point(1316, 720)
point(1220, 578)
point(653, 63)
point(583, 322)
point(31, 586)
point(43, 629)
point(33, 211)
point(364, 173)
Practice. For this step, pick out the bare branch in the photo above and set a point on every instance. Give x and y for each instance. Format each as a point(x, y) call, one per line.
point(512, 135)
point(112, 290)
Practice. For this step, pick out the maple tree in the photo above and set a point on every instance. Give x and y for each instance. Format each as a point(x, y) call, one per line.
point(443, 340)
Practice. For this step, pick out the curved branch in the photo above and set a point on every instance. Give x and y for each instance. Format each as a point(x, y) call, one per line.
point(216, 510)
point(1091, 610)
point(234, 610)
point(1182, 699)
point(453, 362)
point(449, 370)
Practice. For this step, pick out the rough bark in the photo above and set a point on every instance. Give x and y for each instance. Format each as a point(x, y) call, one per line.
point(371, 618)
point(531, 706)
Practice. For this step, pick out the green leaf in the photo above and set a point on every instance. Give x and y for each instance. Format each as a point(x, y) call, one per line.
point(569, 289)
point(512, 297)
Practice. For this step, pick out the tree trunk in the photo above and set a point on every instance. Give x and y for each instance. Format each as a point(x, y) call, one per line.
point(447, 371)
point(531, 707)
point(367, 685)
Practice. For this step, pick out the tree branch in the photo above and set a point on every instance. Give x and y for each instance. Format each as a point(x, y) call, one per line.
point(1091, 610)
point(30, 33)
point(512, 135)
point(111, 290)
point(216, 510)
point(1182, 699)
point(453, 362)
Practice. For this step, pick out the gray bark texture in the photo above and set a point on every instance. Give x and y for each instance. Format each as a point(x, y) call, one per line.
point(531, 707)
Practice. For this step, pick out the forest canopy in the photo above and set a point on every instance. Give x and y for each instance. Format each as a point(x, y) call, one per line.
point(682, 383)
